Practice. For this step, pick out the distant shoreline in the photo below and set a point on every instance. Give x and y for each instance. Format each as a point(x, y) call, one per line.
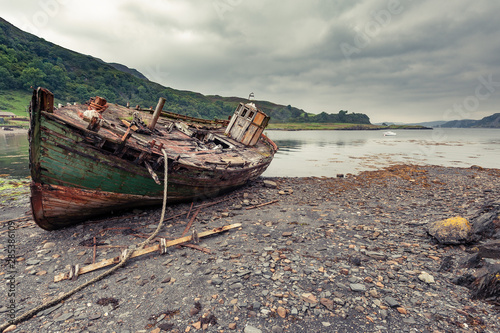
point(340, 127)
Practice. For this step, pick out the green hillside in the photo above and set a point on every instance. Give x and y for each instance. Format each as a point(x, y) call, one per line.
point(15, 101)
point(27, 61)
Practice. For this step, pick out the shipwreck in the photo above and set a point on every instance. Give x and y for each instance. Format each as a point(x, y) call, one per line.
point(91, 159)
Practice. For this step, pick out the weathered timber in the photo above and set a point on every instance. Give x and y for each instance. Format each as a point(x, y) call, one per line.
point(137, 253)
point(78, 173)
point(157, 113)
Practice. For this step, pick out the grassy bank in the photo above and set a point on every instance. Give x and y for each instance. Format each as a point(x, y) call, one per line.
point(15, 101)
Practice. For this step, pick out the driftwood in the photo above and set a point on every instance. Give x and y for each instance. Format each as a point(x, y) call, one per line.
point(262, 204)
point(155, 248)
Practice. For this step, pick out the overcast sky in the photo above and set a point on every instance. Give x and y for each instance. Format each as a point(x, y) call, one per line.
point(394, 60)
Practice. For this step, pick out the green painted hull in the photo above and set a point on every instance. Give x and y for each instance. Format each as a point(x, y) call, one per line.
point(78, 174)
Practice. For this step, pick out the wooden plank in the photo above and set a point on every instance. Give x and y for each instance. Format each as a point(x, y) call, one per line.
point(262, 204)
point(151, 249)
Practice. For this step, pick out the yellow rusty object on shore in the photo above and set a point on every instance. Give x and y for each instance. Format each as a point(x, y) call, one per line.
point(454, 230)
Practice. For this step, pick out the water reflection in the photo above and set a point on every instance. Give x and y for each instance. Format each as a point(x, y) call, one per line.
point(327, 153)
point(14, 159)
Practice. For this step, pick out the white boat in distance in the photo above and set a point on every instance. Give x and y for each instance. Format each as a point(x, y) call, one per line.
point(389, 133)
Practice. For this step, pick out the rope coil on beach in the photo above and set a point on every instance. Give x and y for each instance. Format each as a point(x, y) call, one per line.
point(126, 255)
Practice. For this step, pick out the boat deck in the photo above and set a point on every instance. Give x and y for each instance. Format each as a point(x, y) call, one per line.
point(199, 145)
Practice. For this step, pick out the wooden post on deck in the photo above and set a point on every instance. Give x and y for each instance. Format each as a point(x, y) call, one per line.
point(157, 113)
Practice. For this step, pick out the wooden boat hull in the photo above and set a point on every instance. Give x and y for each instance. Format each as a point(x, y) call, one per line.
point(78, 174)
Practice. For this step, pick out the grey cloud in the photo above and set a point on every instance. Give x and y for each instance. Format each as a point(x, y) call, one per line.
point(417, 62)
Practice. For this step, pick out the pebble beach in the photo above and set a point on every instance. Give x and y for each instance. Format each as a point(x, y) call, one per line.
point(344, 254)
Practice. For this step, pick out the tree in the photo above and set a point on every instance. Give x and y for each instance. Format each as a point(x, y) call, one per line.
point(32, 77)
point(6, 79)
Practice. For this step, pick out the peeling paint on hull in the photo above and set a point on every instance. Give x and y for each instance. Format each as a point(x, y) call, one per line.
point(79, 173)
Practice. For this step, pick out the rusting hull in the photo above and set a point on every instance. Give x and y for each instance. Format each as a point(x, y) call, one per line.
point(55, 206)
point(78, 174)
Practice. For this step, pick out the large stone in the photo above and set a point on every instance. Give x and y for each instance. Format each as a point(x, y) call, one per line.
point(487, 284)
point(455, 230)
point(484, 225)
point(270, 183)
point(426, 277)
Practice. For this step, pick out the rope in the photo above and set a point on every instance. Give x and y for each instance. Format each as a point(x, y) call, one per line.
point(125, 258)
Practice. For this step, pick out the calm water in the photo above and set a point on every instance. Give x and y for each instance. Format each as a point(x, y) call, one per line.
point(14, 154)
point(327, 153)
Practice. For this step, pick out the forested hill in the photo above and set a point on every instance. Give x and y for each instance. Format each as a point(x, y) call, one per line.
point(28, 61)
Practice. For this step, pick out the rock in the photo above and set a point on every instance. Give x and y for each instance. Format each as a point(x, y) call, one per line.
point(446, 264)
point(232, 326)
point(472, 261)
point(281, 312)
point(426, 277)
point(94, 316)
point(455, 230)
point(270, 184)
point(376, 255)
point(410, 321)
point(217, 281)
point(464, 280)
point(327, 303)
point(402, 310)
point(487, 284)
point(64, 316)
point(251, 329)
point(166, 327)
point(49, 245)
point(194, 311)
point(339, 301)
point(357, 287)
point(277, 329)
point(484, 225)
point(32, 262)
point(391, 302)
point(309, 298)
point(237, 285)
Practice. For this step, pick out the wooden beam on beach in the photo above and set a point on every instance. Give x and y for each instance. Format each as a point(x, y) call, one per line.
point(262, 204)
point(155, 248)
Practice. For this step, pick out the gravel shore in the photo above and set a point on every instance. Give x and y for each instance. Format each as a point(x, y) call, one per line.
point(342, 254)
